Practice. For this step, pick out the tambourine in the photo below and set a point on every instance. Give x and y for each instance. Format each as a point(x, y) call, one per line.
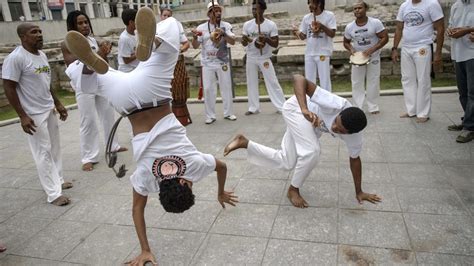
point(359, 59)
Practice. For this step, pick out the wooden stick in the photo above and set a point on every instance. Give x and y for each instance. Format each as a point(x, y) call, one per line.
point(258, 24)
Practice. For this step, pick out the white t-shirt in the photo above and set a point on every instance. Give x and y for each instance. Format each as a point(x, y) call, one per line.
point(212, 56)
point(462, 15)
point(164, 152)
point(33, 75)
point(364, 37)
point(318, 44)
point(327, 106)
point(126, 47)
point(182, 33)
point(267, 28)
point(418, 21)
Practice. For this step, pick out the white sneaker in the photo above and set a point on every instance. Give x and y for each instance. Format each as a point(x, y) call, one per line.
point(231, 117)
point(210, 121)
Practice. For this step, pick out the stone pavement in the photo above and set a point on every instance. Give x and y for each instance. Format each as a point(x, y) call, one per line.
point(423, 175)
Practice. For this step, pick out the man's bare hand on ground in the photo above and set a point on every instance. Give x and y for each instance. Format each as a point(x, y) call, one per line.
point(28, 125)
point(373, 198)
point(227, 197)
point(145, 256)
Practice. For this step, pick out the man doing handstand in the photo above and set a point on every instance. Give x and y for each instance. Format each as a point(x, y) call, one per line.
point(167, 161)
point(308, 114)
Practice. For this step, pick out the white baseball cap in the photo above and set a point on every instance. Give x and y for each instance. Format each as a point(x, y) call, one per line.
point(216, 4)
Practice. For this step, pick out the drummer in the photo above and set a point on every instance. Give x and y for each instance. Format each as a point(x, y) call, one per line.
point(363, 38)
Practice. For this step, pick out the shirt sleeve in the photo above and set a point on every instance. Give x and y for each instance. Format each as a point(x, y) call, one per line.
point(274, 30)
point(379, 27)
point(347, 33)
point(304, 26)
point(436, 12)
point(353, 144)
point(332, 22)
point(12, 68)
point(328, 102)
point(245, 28)
point(228, 30)
point(182, 34)
point(400, 13)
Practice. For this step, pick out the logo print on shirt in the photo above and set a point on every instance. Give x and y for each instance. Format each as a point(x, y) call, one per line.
point(168, 167)
point(413, 19)
point(42, 69)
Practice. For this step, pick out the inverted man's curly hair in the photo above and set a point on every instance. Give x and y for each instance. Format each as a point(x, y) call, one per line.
point(353, 119)
point(175, 197)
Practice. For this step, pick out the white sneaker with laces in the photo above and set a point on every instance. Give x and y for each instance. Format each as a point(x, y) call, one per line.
point(210, 121)
point(231, 117)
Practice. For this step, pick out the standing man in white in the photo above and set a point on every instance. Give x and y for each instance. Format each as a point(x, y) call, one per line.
point(214, 35)
point(416, 22)
point(84, 83)
point(260, 36)
point(127, 42)
point(366, 35)
point(318, 28)
point(461, 25)
point(27, 79)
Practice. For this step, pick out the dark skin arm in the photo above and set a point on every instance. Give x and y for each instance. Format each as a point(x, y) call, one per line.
point(128, 60)
point(356, 169)
point(459, 32)
point(348, 45)
point(222, 195)
point(329, 32)
point(396, 41)
point(59, 107)
point(303, 87)
point(437, 60)
point(383, 39)
point(195, 42)
point(27, 123)
point(138, 212)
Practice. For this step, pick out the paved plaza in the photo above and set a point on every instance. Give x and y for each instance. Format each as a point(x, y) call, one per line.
point(425, 178)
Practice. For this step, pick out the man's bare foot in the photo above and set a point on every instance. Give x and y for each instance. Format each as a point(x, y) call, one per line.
point(239, 141)
point(66, 185)
point(422, 119)
point(295, 197)
point(122, 149)
point(406, 115)
point(61, 201)
point(2, 248)
point(88, 166)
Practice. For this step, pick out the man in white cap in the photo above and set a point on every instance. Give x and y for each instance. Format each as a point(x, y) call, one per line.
point(214, 35)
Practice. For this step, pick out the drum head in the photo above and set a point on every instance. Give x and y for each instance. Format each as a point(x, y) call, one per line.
point(358, 58)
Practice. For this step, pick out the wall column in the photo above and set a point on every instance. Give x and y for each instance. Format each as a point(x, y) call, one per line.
point(26, 10)
point(90, 9)
point(7, 16)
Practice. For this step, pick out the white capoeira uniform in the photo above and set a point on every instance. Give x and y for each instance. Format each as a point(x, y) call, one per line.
point(256, 61)
point(319, 49)
point(165, 149)
point(416, 54)
point(300, 150)
point(215, 62)
point(88, 100)
point(363, 38)
point(126, 47)
point(33, 75)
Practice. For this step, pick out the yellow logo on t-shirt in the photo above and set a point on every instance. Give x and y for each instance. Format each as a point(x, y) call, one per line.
point(42, 69)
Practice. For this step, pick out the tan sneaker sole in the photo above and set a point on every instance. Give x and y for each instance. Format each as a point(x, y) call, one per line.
point(145, 24)
point(78, 45)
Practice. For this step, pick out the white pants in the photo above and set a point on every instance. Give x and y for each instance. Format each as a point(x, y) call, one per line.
point(300, 150)
point(416, 81)
point(46, 151)
point(359, 74)
point(210, 77)
point(318, 65)
point(87, 104)
point(271, 83)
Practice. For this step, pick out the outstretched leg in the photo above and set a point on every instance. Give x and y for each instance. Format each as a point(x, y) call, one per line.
point(239, 141)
